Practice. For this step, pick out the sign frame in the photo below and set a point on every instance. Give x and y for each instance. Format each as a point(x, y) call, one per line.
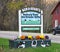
point(32, 9)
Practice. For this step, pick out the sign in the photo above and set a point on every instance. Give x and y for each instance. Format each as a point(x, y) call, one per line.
point(30, 19)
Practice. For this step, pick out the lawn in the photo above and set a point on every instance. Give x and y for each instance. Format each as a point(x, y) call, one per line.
point(55, 47)
point(4, 43)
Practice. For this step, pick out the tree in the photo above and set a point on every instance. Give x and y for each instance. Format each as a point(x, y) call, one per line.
point(11, 17)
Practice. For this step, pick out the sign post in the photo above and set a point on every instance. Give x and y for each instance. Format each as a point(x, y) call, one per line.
point(19, 12)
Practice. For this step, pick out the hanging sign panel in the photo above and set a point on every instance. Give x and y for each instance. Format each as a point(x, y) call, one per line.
point(31, 29)
point(31, 18)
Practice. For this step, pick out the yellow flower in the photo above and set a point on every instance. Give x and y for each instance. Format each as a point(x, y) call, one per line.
point(42, 36)
point(29, 37)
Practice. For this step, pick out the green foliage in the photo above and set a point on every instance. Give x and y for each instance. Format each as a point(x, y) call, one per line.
point(10, 16)
point(14, 5)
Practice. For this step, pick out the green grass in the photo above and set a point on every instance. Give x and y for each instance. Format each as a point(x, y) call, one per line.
point(55, 47)
point(4, 43)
